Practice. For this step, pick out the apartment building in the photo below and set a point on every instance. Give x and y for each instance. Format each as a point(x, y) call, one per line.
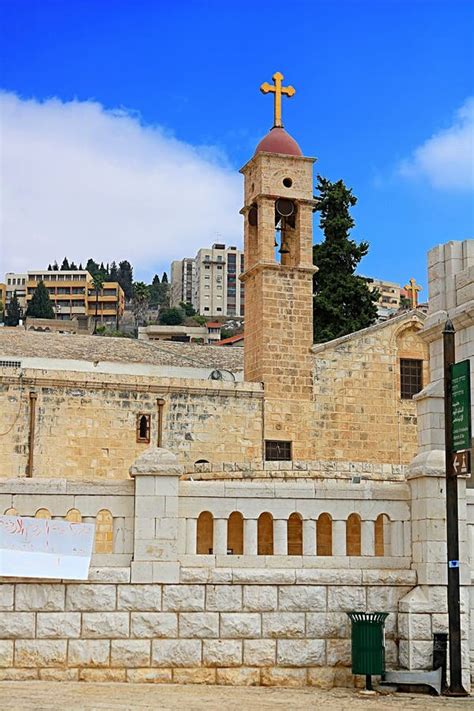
point(389, 297)
point(15, 282)
point(210, 281)
point(73, 294)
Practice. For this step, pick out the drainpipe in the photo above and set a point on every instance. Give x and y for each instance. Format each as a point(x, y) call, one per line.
point(160, 403)
point(31, 435)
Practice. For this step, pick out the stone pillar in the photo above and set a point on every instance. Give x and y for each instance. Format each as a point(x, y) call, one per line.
point(155, 556)
point(339, 538)
point(423, 611)
point(367, 543)
point(309, 536)
point(220, 536)
point(191, 536)
point(396, 538)
point(280, 536)
point(250, 536)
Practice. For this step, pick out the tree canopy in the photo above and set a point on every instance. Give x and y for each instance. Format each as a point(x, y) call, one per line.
point(40, 305)
point(171, 317)
point(342, 300)
point(13, 312)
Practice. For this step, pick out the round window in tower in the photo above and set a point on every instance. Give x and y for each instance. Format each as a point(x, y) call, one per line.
point(287, 182)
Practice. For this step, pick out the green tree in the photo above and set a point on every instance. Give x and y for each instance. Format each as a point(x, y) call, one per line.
point(342, 301)
point(65, 265)
point(171, 317)
point(40, 305)
point(125, 278)
point(164, 278)
point(13, 312)
point(187, 308)
point(92, 267)
point(73, 267)
point(140, 301)
point(113, 272)
point(55, 266)
point(98, 283)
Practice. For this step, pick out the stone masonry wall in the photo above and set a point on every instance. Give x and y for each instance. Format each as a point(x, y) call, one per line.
point(92, 420)
point(359, 414)
point(247, 627)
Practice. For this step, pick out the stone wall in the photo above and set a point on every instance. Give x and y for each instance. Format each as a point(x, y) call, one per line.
point(359, 413)
point(92, 421)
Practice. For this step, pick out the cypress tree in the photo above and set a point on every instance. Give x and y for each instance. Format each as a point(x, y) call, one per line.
point(342, 301)
point(40, 305)
point(65, 265)
point(13, 312)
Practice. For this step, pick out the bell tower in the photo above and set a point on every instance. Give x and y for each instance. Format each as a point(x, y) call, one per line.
point(278, 240)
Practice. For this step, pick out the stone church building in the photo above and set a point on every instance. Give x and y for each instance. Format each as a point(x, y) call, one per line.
point(243, 502)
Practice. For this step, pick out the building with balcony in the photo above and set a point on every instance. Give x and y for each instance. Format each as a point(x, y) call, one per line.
point(210, 281)
point(73, 294)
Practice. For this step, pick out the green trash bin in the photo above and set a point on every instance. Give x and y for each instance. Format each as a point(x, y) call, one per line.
point(368, 644)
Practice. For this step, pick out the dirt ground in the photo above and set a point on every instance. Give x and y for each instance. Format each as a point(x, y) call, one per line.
point(45, 696)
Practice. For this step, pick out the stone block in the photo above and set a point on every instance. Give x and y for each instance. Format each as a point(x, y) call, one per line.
point(6, 596)
point(90, 597)
point(277, 676)
point(149, 676)
point(6, 653)
point(154, 624)
point(59, 674)
point(440, 623)
point(176, 653)
point(346, 599)
point(105, 625)
point(166, 572)
point(40, 652)
point(39, 596)
point(240, 624)
point(141, 571)
point(14, 625)
point(139, 597)
point(321, 677)
point(263, 575)
point(260, 598)
point(283, 624)
point(302, 597)
point(390, 577)
point(259, 652)
point(327, 625)
point(88, 653)
point(238, 677)
point(58, 624)
point(109, 575)
point(99, 676)
point(18, 674)
point(301, 653)
point(222, 653)
point(224, 598)
point(338, 652)
point(200, 625)
point(385, 599)
point(130, 652)
point(320, 576)
point(183, 598)
point(194, 676)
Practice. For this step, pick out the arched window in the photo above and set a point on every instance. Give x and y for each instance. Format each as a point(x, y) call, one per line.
point(42, 513)
point(104, 532)
point(143, 428)
point(11, 512)
point(74, 516)
point(205, 533)
point(324, 534)
point(265, 534)
point(295, 534)
point(353, 546)
point(382, 535)
point(235, 534)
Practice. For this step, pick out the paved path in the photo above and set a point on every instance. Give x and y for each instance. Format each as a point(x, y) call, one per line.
point(46, 696)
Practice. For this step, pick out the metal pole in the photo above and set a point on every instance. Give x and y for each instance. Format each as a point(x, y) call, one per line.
point(31, 434)
point(452, 524)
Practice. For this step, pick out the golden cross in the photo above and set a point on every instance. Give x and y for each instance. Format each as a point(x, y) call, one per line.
point(278, 90)
point(413, 289)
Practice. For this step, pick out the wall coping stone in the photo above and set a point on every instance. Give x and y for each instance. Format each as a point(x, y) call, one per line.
point(156, 461)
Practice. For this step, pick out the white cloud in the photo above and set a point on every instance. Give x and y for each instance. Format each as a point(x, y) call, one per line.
point(446, 159)
point(81, 181)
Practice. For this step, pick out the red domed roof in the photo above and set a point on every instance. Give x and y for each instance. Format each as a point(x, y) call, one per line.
point(279, 141)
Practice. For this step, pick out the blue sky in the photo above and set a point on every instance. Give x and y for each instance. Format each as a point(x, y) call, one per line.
point(381, 87)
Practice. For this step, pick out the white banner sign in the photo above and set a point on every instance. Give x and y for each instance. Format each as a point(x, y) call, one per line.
point(45, 548)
